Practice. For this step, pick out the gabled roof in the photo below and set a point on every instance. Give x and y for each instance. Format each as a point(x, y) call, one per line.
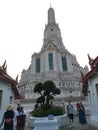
point(4, 76)
point(94, 69)
point(89, 74)
point(50, 45)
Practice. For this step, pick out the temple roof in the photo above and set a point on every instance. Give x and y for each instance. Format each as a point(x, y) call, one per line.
point(94, 69)
point(4, 76)
point(92, 72)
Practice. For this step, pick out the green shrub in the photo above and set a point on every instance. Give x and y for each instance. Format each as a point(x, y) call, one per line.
point(56, 111)
point(47, 91)
point(46, 107)
point(44, 112)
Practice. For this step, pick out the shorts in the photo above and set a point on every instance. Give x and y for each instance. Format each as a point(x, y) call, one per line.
point(70, 116)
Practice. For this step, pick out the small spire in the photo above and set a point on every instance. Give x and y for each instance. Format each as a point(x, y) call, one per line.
point(4, 66)
point(5, 69)
point(17, 78)
point(90, 59)
point(82, 75)
point(51, 15)
point(50, 5)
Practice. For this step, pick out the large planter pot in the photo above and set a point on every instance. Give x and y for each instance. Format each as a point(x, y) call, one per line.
point(61, 120)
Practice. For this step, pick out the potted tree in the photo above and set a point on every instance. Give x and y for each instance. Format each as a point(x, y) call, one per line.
point(47, 91)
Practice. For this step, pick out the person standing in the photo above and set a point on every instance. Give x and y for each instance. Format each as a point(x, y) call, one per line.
point(82, 117)
point(18, 106)
point(70, 113)
point(8, 118)
point(77, 106)
point(36, 106)
point(63, 102)
point(21, 118)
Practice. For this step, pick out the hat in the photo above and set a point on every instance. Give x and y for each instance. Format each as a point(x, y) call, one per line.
point(9, 107)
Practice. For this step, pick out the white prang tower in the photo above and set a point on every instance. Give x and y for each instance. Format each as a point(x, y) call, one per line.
point(53, 62)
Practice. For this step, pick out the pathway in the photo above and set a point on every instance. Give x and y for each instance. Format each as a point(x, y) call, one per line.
point(75, 127)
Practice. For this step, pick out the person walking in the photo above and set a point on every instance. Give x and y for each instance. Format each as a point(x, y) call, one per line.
point(8, 118)
point(21, 118)
point(82, 117)
point(70, 113)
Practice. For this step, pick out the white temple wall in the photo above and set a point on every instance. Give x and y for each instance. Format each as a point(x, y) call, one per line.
point(69, 62)
point(33, 63)
point(52, 43)
point(93, 99)
point(42, 57)
point(94, 96)
point(54, 61)
point(58, 61)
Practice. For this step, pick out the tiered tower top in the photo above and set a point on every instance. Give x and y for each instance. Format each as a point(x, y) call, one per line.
point(52, 34)
point(51, 16)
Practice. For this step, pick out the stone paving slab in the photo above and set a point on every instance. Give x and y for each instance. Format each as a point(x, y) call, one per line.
point(76, 126)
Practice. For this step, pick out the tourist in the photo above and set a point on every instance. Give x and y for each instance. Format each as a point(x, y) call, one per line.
point(77, 106)
point(63, 102)
point(21, 118)
point(8, 118)
point(36, 106)
point(70, 113)
point(18, 106)
point(82, 117)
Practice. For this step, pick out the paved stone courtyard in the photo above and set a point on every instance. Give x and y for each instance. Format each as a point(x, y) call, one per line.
point(75, 127)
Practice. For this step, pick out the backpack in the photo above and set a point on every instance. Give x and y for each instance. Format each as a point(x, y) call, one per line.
point(8, 117)
point(21, 119)
point(8, 120)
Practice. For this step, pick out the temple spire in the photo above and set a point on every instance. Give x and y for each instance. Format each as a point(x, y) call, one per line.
point(4, 66)
point(90, 59)
point(17, 78)
point(50, 5)
point(51, 15)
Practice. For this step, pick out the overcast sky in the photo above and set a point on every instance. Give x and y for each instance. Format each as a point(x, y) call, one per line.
point(22, 24)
